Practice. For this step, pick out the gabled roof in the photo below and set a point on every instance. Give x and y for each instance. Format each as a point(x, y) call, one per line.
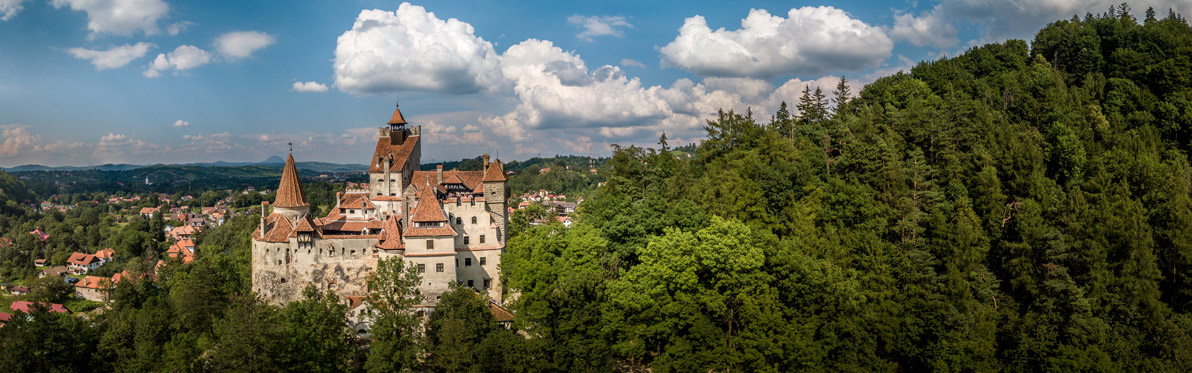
point(306, 225)
point(27, 307)
point(454, 179)
point(92, 282)
point(391, 235)
point(107, 253)
point(494, 172)
point(289, 192)
point(279, 229)
point(388, 147)
point(428, 209)
point(82, 259)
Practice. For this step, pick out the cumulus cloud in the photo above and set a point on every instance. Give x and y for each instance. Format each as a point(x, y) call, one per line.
point(412, 49)
point(309, 87)
point(181, 123)
point(19, 145)
point(118, 146)
point(556, 89)
point(810, 41)
point(594, 26)
point(9, 9)
point(930, 28)
point(185, 57)
point(112, 58)
point(120, 17)
point(241, 44)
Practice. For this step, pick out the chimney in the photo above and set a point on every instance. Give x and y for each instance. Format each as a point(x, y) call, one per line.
point(439, 172)
point(264, 206)
point(485, 162)
point(337, 196)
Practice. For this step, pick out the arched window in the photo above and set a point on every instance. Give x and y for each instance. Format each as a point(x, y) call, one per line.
point(459, 221)
point(473, 220)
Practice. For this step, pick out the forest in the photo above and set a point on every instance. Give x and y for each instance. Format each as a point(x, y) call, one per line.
point(1019, 207)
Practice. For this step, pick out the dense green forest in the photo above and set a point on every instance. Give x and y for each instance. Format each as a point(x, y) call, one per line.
point(1019, 208)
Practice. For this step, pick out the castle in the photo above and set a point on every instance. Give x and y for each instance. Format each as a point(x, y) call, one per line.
point(451, 225)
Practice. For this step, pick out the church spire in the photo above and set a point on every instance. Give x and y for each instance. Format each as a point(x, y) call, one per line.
point(289, 193)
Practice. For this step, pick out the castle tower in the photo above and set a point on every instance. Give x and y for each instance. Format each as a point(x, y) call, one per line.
point(397, 156)
point(495, 193)
point(290, 201)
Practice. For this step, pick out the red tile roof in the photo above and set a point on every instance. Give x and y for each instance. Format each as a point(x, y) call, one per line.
point(82, 259)
point(429, 232)
point(289, 192)
point(93, 282)
point(278, 227)
point(428, 209)
point(494, 172)
point(391, 235)
point(27, 307)
point(5, 317)
point(397, 118)
point(107, 253)
point(388, 147)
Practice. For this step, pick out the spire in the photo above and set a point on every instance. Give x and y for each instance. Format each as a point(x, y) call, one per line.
point(494, 172)
point(289, 193)
point(397, 118)
point(428, 209)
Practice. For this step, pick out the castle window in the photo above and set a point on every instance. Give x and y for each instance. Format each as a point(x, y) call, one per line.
point(482, 238)
point(393, 194)
point(278, 262)
point(483, 261)
point(459, 221)
point(467, 262)
point(487, 283)
point(473, 220)
point(439, 267)
point(430, 244)
point(351, 211)
point(283, 280)
point(353, 252)
point(470, 283)
point(421, 268)
point(465, 240)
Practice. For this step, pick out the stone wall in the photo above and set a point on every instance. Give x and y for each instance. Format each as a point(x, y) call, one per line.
point(281, 270)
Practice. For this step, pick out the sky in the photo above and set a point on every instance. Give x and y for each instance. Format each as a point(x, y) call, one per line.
point(88, 82)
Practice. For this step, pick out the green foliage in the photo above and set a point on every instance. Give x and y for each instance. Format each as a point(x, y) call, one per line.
point(392, 295)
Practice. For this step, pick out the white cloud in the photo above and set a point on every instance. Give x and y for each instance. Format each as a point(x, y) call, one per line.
point(241, 44)
point(632, 63)
point(17, 140)
point(181, 123)
point(412, 49)
point(556, 90)
point(309, 87)
point(20, 146)
point(808, 41)
point(112, 58)
point(179, 27)
point(599, 26)
point(930, 28)
point(120, 17)
point(9, 9)
point(124, 148)
point(184, 57)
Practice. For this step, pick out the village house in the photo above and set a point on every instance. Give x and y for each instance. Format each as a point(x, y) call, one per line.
point(92, 288)
point(5, 317)
point(80, 263)
point(105, 255)
point(59, 271)
point(39, 262)
point(184, 249)
point(147, 212)
point(18, 290)
point(183, 232)
point(27, 307)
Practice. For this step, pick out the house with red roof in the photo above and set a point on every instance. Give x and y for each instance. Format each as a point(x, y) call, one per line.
point(184, 250)
point(27, 307)
point(80, 263)
point(105, 255)
point(93, 288)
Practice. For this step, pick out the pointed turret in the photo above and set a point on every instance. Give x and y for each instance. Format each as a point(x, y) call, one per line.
point(397, 119)
point(290, 201)
point(289, 193)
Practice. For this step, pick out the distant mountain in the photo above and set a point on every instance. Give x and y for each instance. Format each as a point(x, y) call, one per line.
point(273, 161)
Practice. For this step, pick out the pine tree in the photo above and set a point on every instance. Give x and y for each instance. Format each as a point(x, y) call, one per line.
point(841, 95)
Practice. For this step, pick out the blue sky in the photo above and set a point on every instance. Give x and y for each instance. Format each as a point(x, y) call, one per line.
point(86, 82)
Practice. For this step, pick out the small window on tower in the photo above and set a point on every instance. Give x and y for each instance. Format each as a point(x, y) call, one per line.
point(487, 283)
point(430, 244)
point(470, 283)
point(483, 261)
point(467, 262)
point(482, 238)
point(465, 240)
point(459, 221)
point(421, 268)
point(439, 267)
point(473, 220)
